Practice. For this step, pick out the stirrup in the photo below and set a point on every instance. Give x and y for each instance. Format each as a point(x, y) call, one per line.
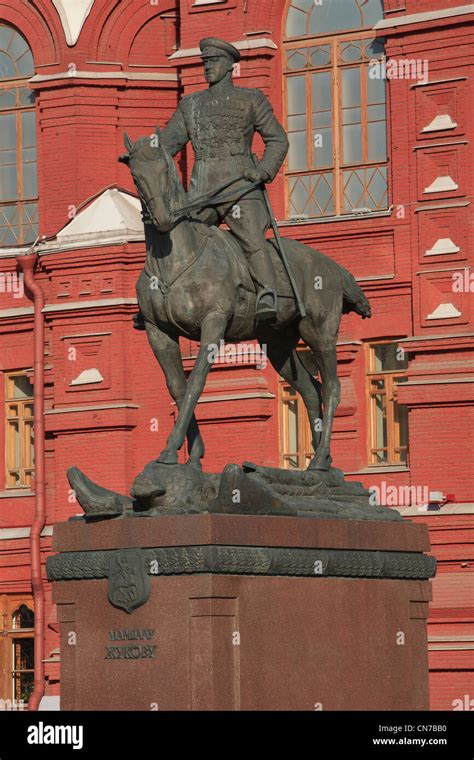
point(138, 321)
point(265, 312)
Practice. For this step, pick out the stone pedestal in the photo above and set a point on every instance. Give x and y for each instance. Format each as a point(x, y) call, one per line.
point(242, 613)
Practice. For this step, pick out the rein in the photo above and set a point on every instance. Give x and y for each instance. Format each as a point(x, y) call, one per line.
point(213, 197)
point(166, 286)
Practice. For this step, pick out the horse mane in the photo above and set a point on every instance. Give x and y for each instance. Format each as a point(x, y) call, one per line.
point(177, 193)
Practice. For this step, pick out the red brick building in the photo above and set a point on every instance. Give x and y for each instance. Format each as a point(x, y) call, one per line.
point(378, 106)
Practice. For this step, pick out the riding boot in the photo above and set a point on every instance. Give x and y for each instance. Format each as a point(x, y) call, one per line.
point(138, 321)
point(262, 272)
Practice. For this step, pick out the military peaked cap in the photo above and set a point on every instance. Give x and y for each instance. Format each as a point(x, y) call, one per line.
point(221, 45)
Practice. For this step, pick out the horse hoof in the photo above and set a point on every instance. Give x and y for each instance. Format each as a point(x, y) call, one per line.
point(321, 463)
point(196, 463)
point(139, 321)
point(168, 457)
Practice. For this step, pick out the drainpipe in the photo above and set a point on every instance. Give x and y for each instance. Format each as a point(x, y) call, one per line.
point(27, 264)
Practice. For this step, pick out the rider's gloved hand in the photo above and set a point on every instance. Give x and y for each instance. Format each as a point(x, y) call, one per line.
point(255, 175)
point(146, 217)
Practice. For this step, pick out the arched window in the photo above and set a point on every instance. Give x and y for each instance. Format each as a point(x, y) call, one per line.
point(18, 174)
point(23, 617)
point(23, 654)
point(17, 628)
point(335, 108)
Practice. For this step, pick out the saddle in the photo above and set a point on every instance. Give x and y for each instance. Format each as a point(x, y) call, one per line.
point(284, 289)
point(210, 217)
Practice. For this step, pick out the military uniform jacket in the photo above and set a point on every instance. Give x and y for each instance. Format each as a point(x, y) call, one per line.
point(221, 125)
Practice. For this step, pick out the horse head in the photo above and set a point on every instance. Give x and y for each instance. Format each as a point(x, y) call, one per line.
point(149, 165)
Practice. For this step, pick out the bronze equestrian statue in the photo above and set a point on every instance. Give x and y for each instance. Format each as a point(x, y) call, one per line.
point(221, 123)
point(208, 284)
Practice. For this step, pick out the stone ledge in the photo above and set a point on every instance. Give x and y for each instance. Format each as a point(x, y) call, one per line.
point(243, 560)
point(241, 530)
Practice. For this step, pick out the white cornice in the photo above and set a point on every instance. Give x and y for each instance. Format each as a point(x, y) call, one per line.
point(460, 508)
point(235, 396)
point(91, 408)
point(421, 18)
point(441, 336)
point(99, 303)
point(111, 75)
point(28, 311)
point(12, 253)
point(10, 534)
point(260, 42)
point(22, 311)
point(98, 240)
point(442, 381)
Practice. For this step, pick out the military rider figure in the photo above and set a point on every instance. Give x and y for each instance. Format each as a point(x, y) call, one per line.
point(221, 123)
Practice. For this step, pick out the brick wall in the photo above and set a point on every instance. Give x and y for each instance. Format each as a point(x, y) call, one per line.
point(81, 121)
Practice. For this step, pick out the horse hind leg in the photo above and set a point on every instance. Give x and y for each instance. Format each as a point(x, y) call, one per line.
point(286, 360)
point(323, 345)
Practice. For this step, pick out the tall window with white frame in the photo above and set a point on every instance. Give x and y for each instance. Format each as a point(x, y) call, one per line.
point(296, 444)
point(388, 420)
point(19, 434)
point(18, 168)
point(17, 626)
point(296, 447)
point(335, 109)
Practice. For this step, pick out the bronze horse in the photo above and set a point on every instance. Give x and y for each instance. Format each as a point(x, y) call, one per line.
point(196, 284)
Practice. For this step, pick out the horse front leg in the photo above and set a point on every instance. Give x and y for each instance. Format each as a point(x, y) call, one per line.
point(166, 349)
point(331, 393)
point(212, 332)
point(321, 339)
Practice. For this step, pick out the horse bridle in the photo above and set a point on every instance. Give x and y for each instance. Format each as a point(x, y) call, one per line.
point(211, 198)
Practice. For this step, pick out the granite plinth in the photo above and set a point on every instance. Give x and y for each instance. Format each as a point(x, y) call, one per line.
point(245, 613)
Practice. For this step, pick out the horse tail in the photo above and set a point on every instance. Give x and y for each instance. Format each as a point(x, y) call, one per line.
point(354, 298)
